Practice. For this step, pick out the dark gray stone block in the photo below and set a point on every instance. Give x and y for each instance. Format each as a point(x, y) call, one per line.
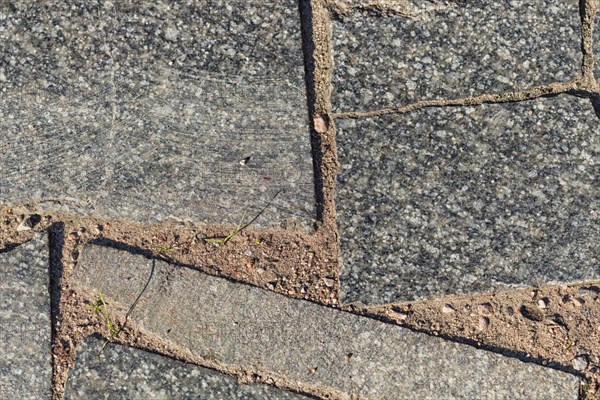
point(465, 48)
point(145, 111)
point(306, 343)
point(466, 199)
point(25, 334)
point(118, 372)
point(596, 45)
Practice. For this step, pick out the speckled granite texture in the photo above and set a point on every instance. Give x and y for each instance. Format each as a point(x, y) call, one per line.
point(456, 200)
point(119, 372)
point(25, 363)
point(596, 45)
point(465, 48)
point(307, 343)
point(145, 110)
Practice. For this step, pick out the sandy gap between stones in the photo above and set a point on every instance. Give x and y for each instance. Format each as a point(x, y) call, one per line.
point(588, 13)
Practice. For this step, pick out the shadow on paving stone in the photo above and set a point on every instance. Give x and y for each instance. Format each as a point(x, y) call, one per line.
point(463, 49)
point(312, 347)
point(467, 199)
point(118, 372)
point(142, 111)
point(25, 333)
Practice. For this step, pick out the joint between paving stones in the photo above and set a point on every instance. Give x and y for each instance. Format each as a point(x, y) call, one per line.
point(588, 14)
point(392, 314)
point(317, 33)
point(579, 85)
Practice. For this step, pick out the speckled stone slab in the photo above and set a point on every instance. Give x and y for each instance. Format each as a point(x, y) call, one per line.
point(302, 342)
point(25, 336)
point(463, 48)
point(456, 200)
point(147, 110)
point(119, 372)
point(596, 44)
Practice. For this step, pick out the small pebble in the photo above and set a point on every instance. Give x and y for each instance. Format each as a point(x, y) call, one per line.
point(24, 226)
point(580, 362)
point(483, 324)
point(577, 302)
point(448, 309)
point(485, 309)
point(400, 316)
point(328, 282)
point(29, 222)
point(541, 303)
point(320, 124)
point(588, 291)
point(72, 236)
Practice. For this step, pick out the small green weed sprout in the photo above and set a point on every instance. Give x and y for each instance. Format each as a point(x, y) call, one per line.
point(100, 307)
point(224, 239)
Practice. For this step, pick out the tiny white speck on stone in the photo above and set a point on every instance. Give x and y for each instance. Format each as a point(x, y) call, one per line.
point(171, 34)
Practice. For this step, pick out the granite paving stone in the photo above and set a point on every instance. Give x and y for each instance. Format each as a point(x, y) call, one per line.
point(140, 110)
point(596, 45)
point(303, 342)
point(464, 48)
point(113, 371)
point(25, 363)
point(465, 199)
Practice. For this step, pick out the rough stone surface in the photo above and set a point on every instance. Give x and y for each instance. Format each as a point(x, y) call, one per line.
point(25, 363)
point(464, 48)
point(119, 372)
point(596, 45)
point(139, 110)
point(307, 343)
point(455, 200)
